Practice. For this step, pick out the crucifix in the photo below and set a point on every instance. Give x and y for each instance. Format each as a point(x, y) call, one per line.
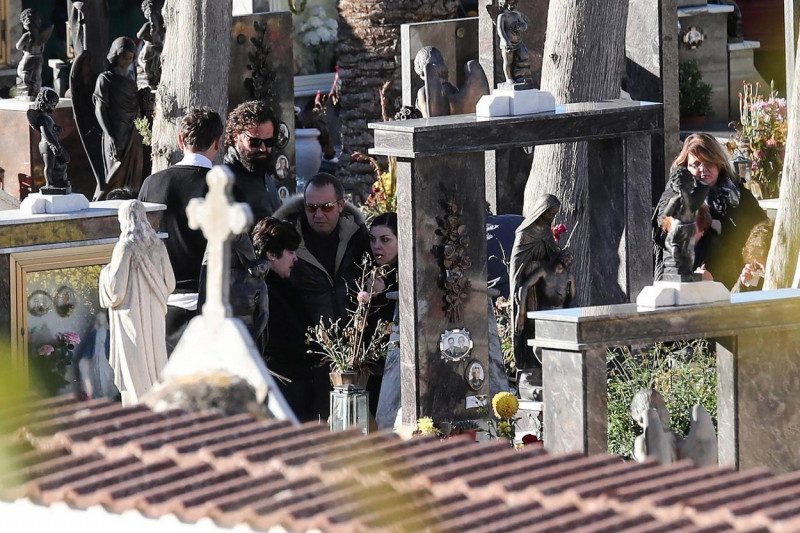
point(219, 220)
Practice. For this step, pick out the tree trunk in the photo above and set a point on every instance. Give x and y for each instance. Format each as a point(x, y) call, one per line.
point(583, 54)
point(368, 51)
point(782, 259)
point(195, 69)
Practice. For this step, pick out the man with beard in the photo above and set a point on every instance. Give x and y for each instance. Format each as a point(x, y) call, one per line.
point(250, 138)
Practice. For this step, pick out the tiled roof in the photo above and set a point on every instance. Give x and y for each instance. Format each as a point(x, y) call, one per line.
point(265, 474)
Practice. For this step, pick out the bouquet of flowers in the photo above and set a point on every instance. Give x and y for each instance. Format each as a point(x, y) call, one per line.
point(49, 363)
point(316, 35)
point(761, 137)
point(346, 346)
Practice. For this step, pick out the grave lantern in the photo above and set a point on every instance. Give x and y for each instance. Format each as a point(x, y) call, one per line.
point(349, 408)
point(742, 167)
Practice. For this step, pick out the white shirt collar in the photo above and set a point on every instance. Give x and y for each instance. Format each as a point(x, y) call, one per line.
point(195, 160)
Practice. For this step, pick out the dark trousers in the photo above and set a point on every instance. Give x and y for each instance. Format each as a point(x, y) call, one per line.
point(309, 397)
point(177, 320)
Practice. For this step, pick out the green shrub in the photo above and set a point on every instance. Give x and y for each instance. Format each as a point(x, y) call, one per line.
point(694, 95)
point(684, 373)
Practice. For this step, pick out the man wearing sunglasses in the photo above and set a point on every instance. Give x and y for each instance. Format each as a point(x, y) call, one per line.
point(334, 240)
point(251, 135)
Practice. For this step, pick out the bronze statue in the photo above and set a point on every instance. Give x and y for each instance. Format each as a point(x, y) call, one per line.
point(438, 96)
point(678, 219)
point(116, 106)
point(516, 58)
point(148, 66)
point(54, 155)
point(538, 274)
point(29, 70)
point(88, 31)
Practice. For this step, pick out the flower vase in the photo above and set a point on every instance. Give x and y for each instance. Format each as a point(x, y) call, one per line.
point(308, 152)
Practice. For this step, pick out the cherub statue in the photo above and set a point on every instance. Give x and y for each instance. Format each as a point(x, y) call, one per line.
point(29, 70)
point(516, 58)
point(438, 96)
point(152, 33)
point(678, 220)
point(55, 157)
point(538, 273)
point(116, 107)
point(650, 412)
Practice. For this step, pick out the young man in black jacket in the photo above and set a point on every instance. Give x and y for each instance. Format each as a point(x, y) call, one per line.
point(199, 138)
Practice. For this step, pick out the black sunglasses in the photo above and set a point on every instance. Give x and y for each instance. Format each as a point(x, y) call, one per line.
point(326, 208)
point(255, 142)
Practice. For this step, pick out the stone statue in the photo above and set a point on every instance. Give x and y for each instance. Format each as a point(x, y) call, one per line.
point(29, 70)
point(538, 273)
point(678, 220)
point(516, 59)
point(88, 31)
point(97, 376)
point(54, 155)
point(116, 106)
point(735, 32)
point(650, 412)
point(134, 287)
point(438, 96)
point(148, 66)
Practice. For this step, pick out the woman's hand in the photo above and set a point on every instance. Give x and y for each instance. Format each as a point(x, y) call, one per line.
point(751, 274)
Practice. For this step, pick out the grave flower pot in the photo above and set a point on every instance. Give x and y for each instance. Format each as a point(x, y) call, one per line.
point(344, 379)
point(308, 152)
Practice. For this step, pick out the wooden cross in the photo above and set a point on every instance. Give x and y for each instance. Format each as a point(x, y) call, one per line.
point(220, 219)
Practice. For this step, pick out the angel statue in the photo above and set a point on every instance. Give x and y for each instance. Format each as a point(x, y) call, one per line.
point(116, 107)
point(152, 33)
point(439, 97)
point(538, 274)
point(516, 59)
point(55, 157)
point(29, 70)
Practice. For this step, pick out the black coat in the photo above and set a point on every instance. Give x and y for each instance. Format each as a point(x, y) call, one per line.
point(286, 352)
point(259, 192)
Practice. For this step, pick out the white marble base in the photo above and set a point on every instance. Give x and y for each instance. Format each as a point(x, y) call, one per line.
point(507, 102)
point(38, 203)
point(674, 293)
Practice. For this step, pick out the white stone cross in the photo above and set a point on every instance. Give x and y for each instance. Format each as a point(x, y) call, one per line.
point(220, 220)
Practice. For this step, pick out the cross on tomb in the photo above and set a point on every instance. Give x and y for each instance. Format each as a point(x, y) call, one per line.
point(219, 219)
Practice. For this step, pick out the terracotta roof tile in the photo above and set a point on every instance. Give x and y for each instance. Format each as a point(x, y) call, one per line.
point(264, 473)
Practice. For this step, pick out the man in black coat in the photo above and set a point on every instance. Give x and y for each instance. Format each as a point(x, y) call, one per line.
point(252, 135)
point(199, 138)
point(334, 241)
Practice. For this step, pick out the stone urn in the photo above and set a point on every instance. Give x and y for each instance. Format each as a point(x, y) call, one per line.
point(307, 152)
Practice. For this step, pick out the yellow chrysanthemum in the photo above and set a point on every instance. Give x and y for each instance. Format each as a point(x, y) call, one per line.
point(425, 426)
point(505, 405)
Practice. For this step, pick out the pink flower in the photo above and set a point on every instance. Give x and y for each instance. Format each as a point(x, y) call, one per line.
point(558, 230)
point(759, 154)
point(69, 337)
point(46, 350)
point(363, 297)
point(770, 143)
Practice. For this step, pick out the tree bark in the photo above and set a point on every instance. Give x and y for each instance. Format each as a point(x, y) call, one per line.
point(782, 259)
point(195, 69)
point(368, 51)
point(583, 54)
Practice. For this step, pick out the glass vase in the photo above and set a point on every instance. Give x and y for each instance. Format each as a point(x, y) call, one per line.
point(349, 408)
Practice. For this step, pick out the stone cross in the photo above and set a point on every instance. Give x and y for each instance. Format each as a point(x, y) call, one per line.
point(220, 220)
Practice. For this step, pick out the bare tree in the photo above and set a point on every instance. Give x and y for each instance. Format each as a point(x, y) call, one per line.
point(195, 68)
point(583, 51)
point(782, 259)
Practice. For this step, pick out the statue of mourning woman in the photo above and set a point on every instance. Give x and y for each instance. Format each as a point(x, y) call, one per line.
point(438, 97)
point(116, 106)
point(29, 70)
point(148, 65)
point(55, 157)
point(134, 286)
point(538, 274)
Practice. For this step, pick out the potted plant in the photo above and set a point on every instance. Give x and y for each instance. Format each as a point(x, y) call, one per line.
point(694, 95)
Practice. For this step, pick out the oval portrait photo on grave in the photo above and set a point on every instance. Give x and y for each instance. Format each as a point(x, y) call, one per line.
point(39, 303)
point(455, 344)
point(475, 375)
point(65, 301)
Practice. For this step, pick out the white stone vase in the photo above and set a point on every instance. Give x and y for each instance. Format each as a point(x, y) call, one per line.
point(308, 152)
